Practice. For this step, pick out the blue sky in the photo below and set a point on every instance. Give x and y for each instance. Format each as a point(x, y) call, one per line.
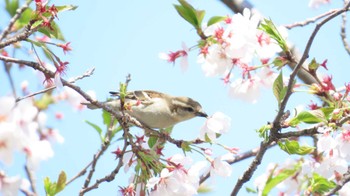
point(121, 37)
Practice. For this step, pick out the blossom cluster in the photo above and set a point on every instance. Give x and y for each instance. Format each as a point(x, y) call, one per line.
point(24, 130)
point(331, 163)
point(177, 179)
point(179, 175)
point(234, 44)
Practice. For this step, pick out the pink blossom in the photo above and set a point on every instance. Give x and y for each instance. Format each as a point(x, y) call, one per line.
point(172, 56)
point(215, 62)
point(65, 47)
point(38, 151)
point(332, 165)
point(10, 141)
point(9, 186)
point(220, 166)
point(246, 89)
point(316, 3)
point(219, 123)
point(326, 143)
point(343, 144)
point(345, 190)
point(7, 103)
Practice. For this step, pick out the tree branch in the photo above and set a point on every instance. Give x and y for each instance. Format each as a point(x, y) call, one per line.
point(343, 34)
point(345, 180)
point(31, 178)
point(86, 74)
point(18, 14)
point(310, 20)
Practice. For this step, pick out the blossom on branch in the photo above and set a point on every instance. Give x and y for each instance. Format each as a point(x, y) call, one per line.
point(216, 125)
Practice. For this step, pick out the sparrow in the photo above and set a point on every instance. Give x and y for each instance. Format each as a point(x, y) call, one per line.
point(155, 109)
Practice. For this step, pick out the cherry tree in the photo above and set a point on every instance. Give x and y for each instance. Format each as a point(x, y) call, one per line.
point(248, 52)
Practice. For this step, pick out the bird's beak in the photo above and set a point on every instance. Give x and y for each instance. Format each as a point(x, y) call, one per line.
point(202, 114)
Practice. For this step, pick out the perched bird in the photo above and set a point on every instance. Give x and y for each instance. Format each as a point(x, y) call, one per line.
point(155, 109)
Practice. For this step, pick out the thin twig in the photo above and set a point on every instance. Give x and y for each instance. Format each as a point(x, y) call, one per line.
point(18, 14)
point(79, 174)
point(7, 67)
point(96, 157)
point(31, 178)
point(28, 30)
point(343, 33)
point(26, 192)
point(340, 185)
point(112, 175)
point(86, 74)
point(252, 167)
point(238, 158)
point(310, 20)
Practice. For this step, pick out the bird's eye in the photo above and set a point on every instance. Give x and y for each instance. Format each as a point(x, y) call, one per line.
point(189, 109)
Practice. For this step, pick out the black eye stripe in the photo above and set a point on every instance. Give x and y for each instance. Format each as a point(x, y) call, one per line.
point(189, 109)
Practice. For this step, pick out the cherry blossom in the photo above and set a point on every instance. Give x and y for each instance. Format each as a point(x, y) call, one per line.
point(10, 141)
point(9, 186)
point(172, 56)
point(219, 123)
point(316, 3)
point(246, 89)
point(215, 62)
point(220, 166)
point(345, 190)
point(176, 179)
point(38, 151)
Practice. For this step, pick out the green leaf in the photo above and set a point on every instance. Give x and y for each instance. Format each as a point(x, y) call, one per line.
point(251, 190)
point(122, 91)
point(279, 90)
point(24, 19)
point(106, 116)
point(43, 46)
point(268, 27)
point(188, 15)
point(279, 62)
point(52, 188)
point(313, 116)
point(207, 139)
point(274, 181)
point(320, 185)
point(263, 131)
point(48, 186)
point(98, 129)
point(152, 141)
point(327, 111)
point(215, 19)
point(191, 15)
point(202, 189)
point(115, 131)
point(44, 102)
point(313, 65)
point(167, 130)
point(61, 181)
point(186, 146)
point(11, 6)
point(66, 8)
point(55, 33)
point(200, 15)
point(293, 147)
point(310, 117)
